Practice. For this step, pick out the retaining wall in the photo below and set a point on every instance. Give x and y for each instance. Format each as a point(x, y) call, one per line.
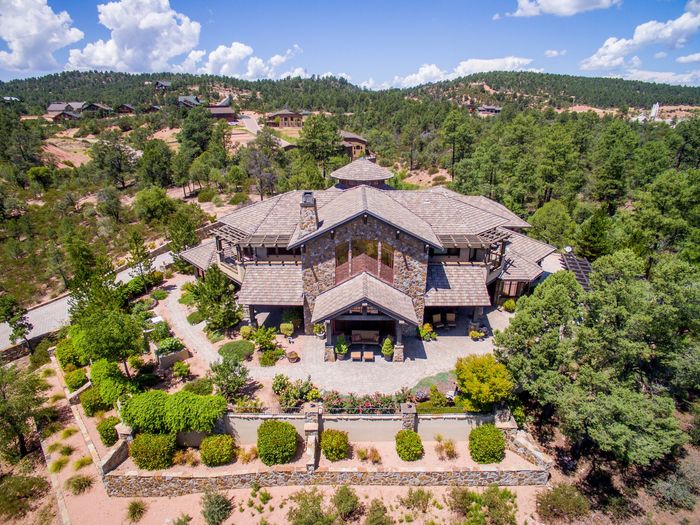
point(244, 427)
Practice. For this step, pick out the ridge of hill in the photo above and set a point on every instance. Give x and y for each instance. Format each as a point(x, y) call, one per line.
point(523, 89)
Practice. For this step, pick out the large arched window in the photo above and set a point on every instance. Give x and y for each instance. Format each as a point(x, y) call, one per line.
point(364, 255)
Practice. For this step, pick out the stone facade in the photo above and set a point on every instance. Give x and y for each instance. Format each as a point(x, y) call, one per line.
point(154, 485)
point(410, 263)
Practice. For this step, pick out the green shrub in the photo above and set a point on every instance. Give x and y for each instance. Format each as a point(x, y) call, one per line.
point(78, 484)
point(58, 464)
point(500, 506)
point(107, 431)
point(200, 386)
point(377, 514)
point(76, 379)
point(295, 316)
point(417, 500)
point(673, 492)
point(238, 198)
point(182, 519)
point(181, 369)
point(563, 502)
point(307, 509)
point(509, 305)
point(159, 331)
point(464, 501)
point(409, 446)
point(216, 508)
point(270, 357)
point(136, 510)
point(388, 348)
point(437, 398)
point(335, 444)
point(277, 442)
point(153, 451)
point(92, 402)
point(280, 383)
point(169, 345)
point(17, 493)
point(68, 432)
point(217, 450)
point(82, 462)
point(240, 349)
point(159, 294)
point(246, 332)
point(487, 444)
point(67, 355)
point(341, 345)
point(287, 329)
point(146, 412)
point(483, 380)
point(186, 298)
point(188, 412)
point(346, 502)
point(103, 369)
point(694, 430)
point(113, 389)
point(206, 194)
point(40, 356)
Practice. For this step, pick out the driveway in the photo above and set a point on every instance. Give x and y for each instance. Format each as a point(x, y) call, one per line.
point(51, 316)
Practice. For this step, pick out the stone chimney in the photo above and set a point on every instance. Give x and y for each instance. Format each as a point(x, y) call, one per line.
point(308, 220)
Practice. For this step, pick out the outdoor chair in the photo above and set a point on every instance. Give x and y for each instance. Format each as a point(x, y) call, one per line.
point(356, 356)
point(437, 321)
point(368, 355)
point(451, 319)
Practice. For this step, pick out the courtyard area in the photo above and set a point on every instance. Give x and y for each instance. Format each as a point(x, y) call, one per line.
point(422, 359)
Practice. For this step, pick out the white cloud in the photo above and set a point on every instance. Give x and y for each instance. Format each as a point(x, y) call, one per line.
point(189, 65)
point(296, 72)
point(144, 36)
point(278, 60)
point(432, 73)
point(666, 77)
point(33, 32)
point(660, 54)
point(689, 59)
point(560, 7)
point(227, 60)
point(337, 75)
point(554, 53)
point(614, 51)
point(238, 60)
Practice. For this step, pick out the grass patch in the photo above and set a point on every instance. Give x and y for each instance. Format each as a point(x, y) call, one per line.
point(48, 372)
point(427, 382)
point(426, 407)
point(186, 298)
point(50, 429)
point(68, 432)
point(136, 510)
point(56, 397)
point(53, 447)
point(215, 337)
point(66, 450)
point(58, 465)
point(195, 317)
point(78, 484)
point(82, 462)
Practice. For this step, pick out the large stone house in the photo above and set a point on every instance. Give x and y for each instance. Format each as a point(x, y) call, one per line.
point(369, 261)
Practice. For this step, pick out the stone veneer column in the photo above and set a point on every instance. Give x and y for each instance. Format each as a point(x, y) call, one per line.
point(409, 417)
point(311, 435)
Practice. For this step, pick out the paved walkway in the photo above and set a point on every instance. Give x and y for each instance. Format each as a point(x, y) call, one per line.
point(51, 316)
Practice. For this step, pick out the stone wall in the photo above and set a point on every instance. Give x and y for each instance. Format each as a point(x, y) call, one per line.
point(154, 485)
point(318, 262)
point(114, 457)
point(168, 360)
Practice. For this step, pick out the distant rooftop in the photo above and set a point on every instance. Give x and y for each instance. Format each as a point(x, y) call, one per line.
point(362, 170)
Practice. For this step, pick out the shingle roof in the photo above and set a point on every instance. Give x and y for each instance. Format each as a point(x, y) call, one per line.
point(518, 268)
point(272, 285)
point(283, 112)
point(528, 248)
point(486, 204)
point(221, 110)
point(362, 170)
point(456, 285)
point(201, 256)
point(364, 287)
point(350, 135)
point(357, 201)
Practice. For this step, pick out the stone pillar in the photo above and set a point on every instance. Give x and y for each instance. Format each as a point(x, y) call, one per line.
point(251, 316)
point(478, 312)
point(398, 354)
point(124, 432)
point(311, 435)
point(409, 417)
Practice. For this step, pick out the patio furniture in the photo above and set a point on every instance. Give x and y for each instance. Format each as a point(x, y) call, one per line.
point(365, 337)
point(437, 321)
point(451, 319)
point(356, 356)
point(368, 355)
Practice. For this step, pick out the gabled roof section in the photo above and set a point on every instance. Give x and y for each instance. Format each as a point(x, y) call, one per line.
point(272, 285)
point(360, 288)
point(518, 268)
point(488, 205)
point(355, 202)
point(362, 170)
point(527, 247)
point(456, 285)
point(201, 256)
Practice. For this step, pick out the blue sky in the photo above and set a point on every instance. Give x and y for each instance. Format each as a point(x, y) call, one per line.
point(378, 43)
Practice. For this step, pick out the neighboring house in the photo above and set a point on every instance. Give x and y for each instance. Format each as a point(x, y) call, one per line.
point(188, 101)
point(487, 111)
point(97, 108)
point(126, 109)
point(354, 145)
point(57, 107)
point(285, 119)
point(369, 261)
point(223, 110)
point(162, 85)
point(152, 109)
point(63, 115)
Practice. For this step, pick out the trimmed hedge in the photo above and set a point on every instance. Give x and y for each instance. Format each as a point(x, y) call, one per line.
point(106, 430)
point(335, 444)
point(153, 451)
point(76, 379)
point(409, 446)
point(169, 345)
point(92, 402)
point(240, 350)
point(109, 381)
point(217, 450)
point(67, 355)
point(277, 442)
point(487, 444)
point(201, 386)
point(287, 329)
point(155, 411)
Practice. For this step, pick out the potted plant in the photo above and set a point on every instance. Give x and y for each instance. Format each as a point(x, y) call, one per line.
point(320, 330)
point(341, 346)
point(292, 356)
point(388, 348)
